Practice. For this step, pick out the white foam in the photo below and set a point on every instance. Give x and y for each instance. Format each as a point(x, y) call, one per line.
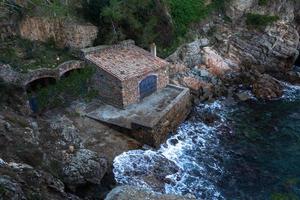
point(190, 136)
point(291, 92)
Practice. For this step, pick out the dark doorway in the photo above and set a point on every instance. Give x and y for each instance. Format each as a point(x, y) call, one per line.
point(39, 83)
point(148, 86)
point(33, 87)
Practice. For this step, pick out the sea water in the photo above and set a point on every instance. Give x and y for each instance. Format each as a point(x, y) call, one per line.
point(251, 150)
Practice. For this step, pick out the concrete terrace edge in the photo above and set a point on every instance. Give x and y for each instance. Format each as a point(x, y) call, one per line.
point(184, 92)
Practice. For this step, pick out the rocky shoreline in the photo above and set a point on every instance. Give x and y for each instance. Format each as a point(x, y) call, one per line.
point(64, 155)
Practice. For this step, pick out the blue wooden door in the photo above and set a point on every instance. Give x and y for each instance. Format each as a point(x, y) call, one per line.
point(148, 86)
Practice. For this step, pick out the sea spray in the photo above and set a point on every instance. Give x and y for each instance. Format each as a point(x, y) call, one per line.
point(209, 158)
point(196, 172)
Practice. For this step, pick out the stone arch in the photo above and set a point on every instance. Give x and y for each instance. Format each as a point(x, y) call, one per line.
point(39, 82)
point(70, 66)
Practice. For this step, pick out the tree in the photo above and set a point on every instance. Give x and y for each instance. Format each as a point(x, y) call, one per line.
point(144, 21)
point(93, 9)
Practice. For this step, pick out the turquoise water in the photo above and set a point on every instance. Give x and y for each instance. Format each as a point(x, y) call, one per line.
point(250, 151)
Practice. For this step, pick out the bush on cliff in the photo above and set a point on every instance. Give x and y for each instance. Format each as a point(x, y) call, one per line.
point(260, 21)
point(164, 22)
point(75, 86)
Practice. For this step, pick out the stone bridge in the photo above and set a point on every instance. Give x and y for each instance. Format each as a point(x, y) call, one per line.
point(10, 76)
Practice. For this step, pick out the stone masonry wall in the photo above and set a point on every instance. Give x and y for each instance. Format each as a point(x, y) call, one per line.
point(131, 93)
point(108, 86)
point(10, 76)
point(177, 113)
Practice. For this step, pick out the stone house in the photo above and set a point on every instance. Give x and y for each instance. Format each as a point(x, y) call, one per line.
point(126, 73)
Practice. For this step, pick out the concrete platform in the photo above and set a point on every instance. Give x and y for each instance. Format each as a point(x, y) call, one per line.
point(153, 118)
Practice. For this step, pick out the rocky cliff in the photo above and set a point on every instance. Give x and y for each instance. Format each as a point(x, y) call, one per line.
point(233, 45)
point(65, 33)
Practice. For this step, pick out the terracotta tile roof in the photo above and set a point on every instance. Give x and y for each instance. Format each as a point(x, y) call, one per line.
point(126, 61)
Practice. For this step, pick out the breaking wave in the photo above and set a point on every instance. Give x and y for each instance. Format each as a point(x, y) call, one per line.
point(291, 92)
point(192, 159)
point(193, 149)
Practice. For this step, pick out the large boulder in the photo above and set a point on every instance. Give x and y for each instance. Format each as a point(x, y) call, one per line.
point(19, 181)
point(137, 193)
point(267, 88)
point(82, 167)
point(215, 63)
point(144, 168)
point(189, 54)
point(10, 189)
point(66, 130)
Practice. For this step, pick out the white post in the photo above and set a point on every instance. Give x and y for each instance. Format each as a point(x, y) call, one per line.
point(153, 49)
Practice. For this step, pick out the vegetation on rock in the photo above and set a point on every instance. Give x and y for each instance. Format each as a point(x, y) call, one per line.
point(68, 88)
point(164, 22)
point(260, 21)
point(24, 55)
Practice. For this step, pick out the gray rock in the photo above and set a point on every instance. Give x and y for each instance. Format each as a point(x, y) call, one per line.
point(243, 96)
point(8, 75)
point(189, 54)
point(136, 193)
point(10, 189)
point(204, 73)
point(83, 167)
point(267, 88)
point(67, 130)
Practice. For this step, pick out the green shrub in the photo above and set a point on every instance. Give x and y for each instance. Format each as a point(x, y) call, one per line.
point(92, 10)
point(72, 87)
point(257, 20)
point(263, 2)
point(148, 21)
point(144, 21)
point(24, 55)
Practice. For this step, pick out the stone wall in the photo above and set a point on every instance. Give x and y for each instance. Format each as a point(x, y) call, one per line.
point(130, 91)
point(64, 33)
point(175, 114)
point(121, 94)
point(11, 76)
point(108, 87)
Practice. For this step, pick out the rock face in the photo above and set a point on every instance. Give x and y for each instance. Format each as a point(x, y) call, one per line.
point(215, 62)
point(10, 189)
point(189, 54)
point(68, 132)
point(20, 181)
point(64, 33)
point(136, 193)
point(267, 88)
point(152, 173)
point(83, 167)
point(285, 9)
point(7, 74)
point(272, 51)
